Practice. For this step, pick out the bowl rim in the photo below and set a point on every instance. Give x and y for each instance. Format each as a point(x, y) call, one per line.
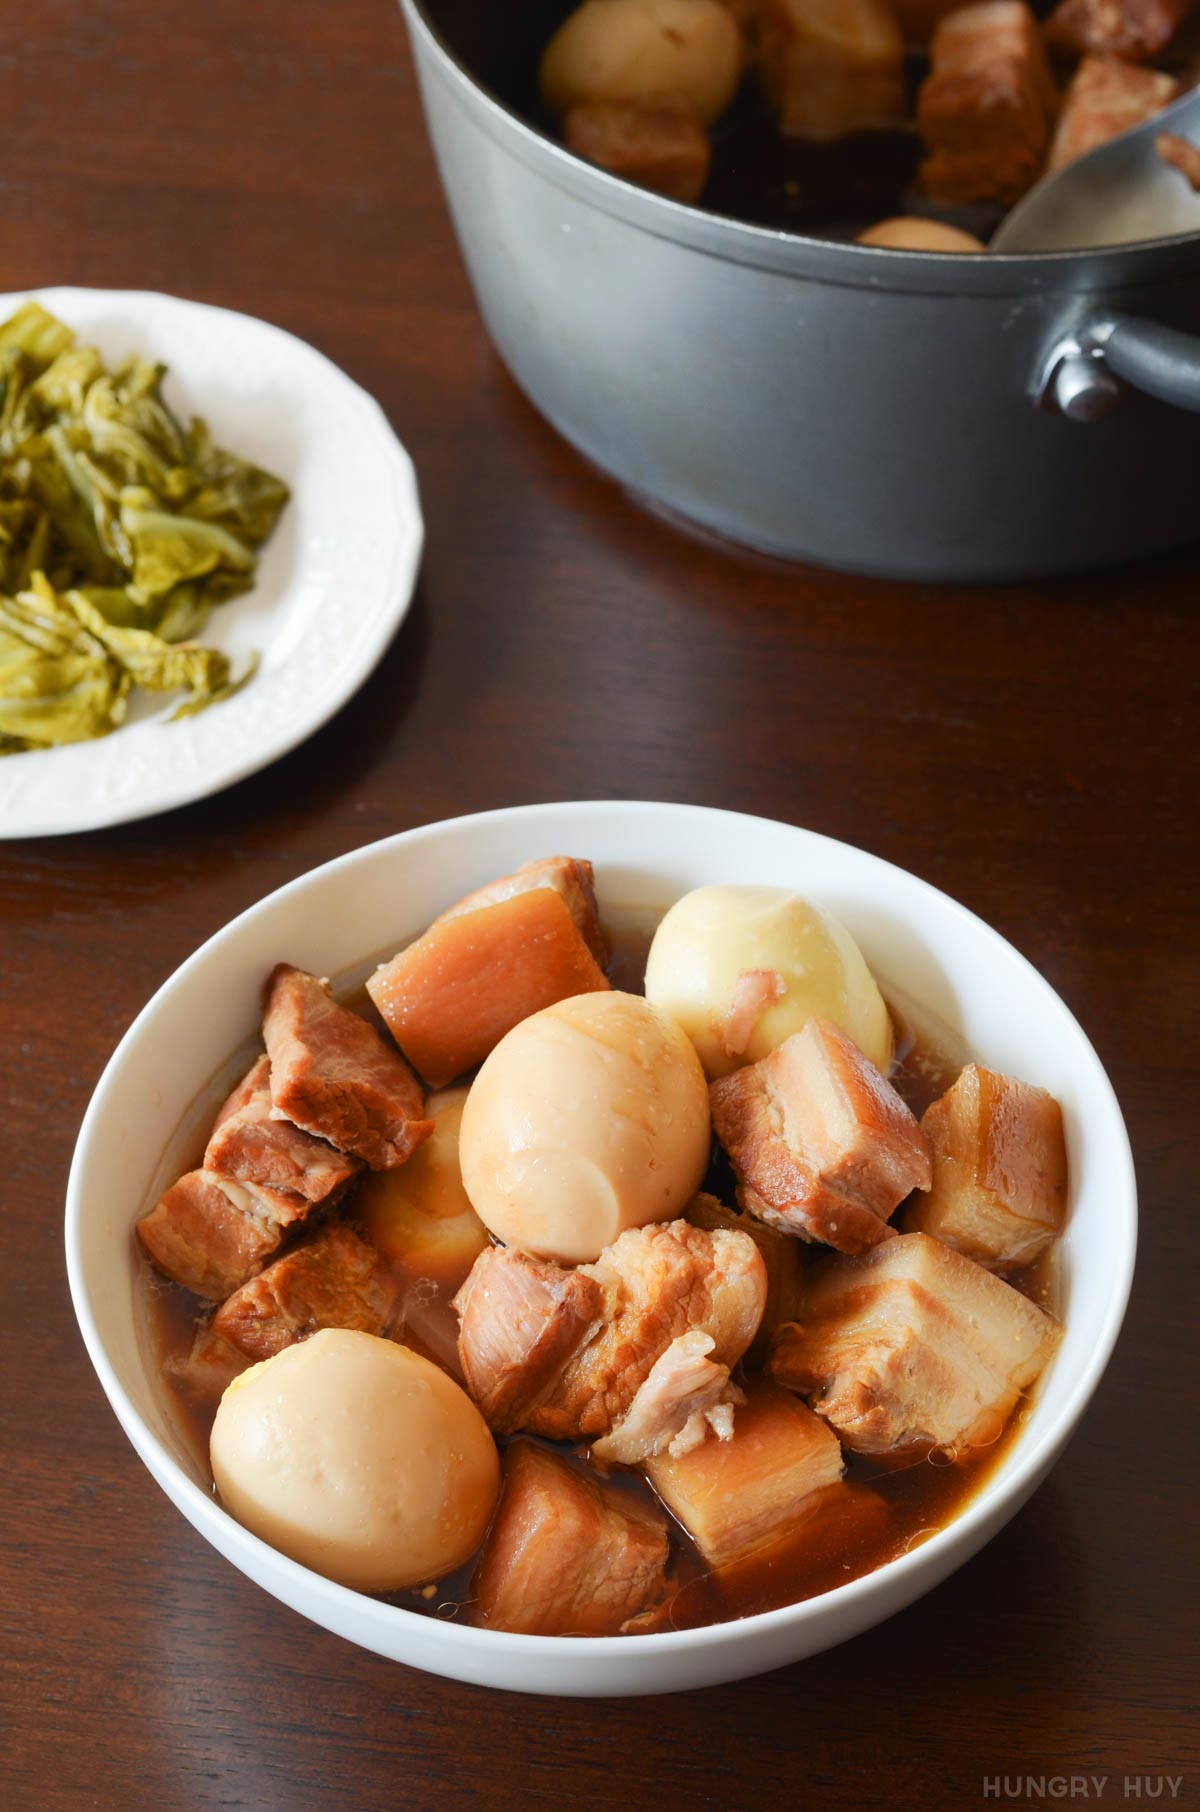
point(255, 1557)
point(1143, 261)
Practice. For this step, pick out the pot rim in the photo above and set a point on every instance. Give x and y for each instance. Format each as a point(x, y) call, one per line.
point(794, 254)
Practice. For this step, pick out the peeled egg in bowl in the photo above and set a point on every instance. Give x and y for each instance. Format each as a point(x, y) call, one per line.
point(589, 1117)
point(741, 967)
point(358, 1458)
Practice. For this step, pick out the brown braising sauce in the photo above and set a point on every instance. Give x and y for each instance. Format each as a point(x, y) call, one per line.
point(890, 1507)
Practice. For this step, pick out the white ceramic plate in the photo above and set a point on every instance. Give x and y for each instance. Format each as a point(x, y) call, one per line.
point(162, 1085)
point(333, 584)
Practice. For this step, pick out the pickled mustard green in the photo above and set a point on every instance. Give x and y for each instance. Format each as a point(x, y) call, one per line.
point(120, 530)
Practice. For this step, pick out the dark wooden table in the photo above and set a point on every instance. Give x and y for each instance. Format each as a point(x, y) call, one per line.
point(1032, 750)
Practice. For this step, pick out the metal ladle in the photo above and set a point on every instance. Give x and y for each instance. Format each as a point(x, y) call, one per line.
point(1119, 194)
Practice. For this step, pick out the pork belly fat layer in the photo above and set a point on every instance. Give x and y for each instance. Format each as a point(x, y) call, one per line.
point(661, 148)
point(913, 1346)
point(822, 1145)
point(985, 109)
point(572, 879)
point(1132, 29)
point(334, 1280)
point(520, 1321)
point(449, 998)
point(1105, 98)
point(209, 1235)
point(332, 1074)
point(565, 1555)
point(656, 1283)
point(857, 1132)
point(735, 1496)
point(999, 1170)
point(251, 1145)
point(831, 67)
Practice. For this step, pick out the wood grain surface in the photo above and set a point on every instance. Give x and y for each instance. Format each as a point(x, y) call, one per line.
point(1031, 750)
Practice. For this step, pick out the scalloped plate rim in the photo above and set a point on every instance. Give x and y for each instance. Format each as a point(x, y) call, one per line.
point(398, 564)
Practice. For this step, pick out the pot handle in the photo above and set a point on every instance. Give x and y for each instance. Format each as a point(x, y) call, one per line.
point(1080, 374)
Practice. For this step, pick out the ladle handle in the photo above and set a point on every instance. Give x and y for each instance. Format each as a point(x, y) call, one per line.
point(1079, 376)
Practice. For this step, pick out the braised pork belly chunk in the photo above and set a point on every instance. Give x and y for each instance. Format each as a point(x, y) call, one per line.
point(986, 108)
point(661, 148)
point(488, 963)
point(251, 1144)
point(565, 1353)
point(741, 1494)
point(210, 1234)
point(822, 1145)
point(566, 1555)
point(333, 1076)
point(999, 1170)
point(214, 1234)
point(520, 1321)
point(1132, 29)
point(218, 1225)
point(911, 1346)
point(334, 1280)
point(830, 67)
point(656, 1283)
point(1106, 97)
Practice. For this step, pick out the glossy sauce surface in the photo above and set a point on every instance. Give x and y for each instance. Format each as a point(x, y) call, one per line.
point(890, 1507)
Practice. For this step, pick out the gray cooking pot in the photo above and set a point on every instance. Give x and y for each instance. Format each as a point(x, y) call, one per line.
point(907, 414)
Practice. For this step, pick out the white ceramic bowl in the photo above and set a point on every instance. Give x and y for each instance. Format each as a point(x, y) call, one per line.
point(160, 1083)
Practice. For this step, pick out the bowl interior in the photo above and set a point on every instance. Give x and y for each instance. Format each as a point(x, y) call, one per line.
point(150, 1106)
